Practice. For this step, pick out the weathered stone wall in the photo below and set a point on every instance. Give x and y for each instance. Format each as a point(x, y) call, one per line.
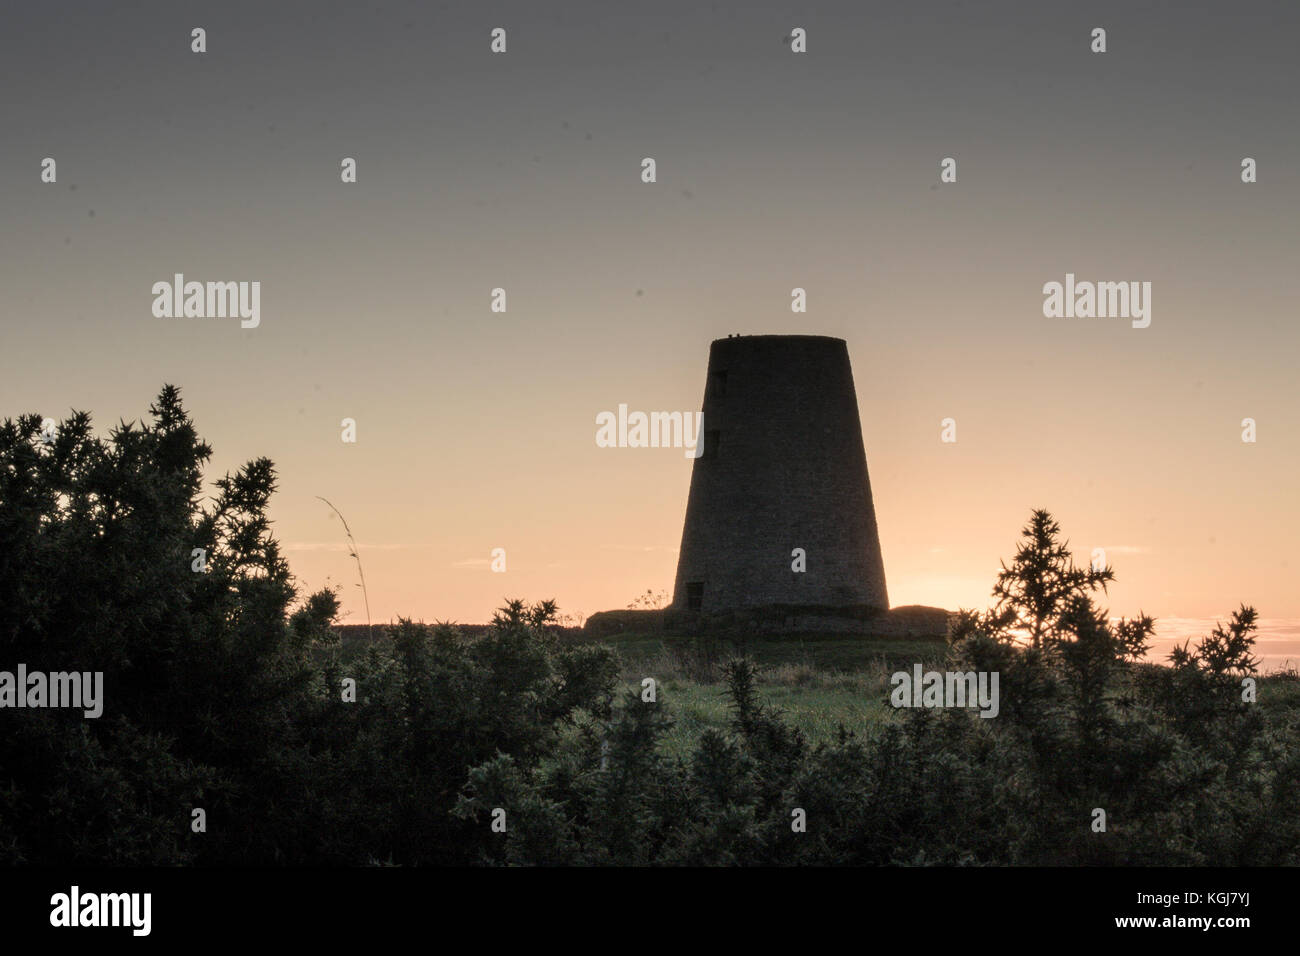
point(784, 467)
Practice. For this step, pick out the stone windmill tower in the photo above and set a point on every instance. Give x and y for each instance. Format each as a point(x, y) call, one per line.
point(783, 467)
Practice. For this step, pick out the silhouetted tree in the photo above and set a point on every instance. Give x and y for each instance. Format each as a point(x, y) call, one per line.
point(1034, 593)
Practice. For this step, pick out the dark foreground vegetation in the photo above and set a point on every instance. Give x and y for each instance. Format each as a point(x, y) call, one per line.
point(225, 692)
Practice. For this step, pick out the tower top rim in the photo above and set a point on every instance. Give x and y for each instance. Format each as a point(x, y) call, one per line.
point(782, 338)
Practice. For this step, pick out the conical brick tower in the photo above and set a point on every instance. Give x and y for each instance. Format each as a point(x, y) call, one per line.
point(783, 467)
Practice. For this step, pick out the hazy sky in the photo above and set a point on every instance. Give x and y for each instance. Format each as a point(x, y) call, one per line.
point(775, 170)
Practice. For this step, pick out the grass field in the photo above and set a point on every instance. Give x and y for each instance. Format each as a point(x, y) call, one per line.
point(820, 683)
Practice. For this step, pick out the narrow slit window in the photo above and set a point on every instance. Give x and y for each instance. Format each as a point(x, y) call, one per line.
point(695, 595)
point(719, 384)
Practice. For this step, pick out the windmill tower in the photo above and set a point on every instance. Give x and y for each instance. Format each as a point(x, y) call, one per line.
point(783, 467)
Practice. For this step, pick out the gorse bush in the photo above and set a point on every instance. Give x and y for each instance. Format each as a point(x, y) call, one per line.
point(226, 690)
point(221, 694)
point(1185, 770)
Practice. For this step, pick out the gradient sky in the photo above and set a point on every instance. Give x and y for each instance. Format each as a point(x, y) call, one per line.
point(775, 170)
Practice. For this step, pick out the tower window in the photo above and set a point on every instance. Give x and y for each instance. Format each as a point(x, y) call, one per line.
point(694, 595)
point(719, 384)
